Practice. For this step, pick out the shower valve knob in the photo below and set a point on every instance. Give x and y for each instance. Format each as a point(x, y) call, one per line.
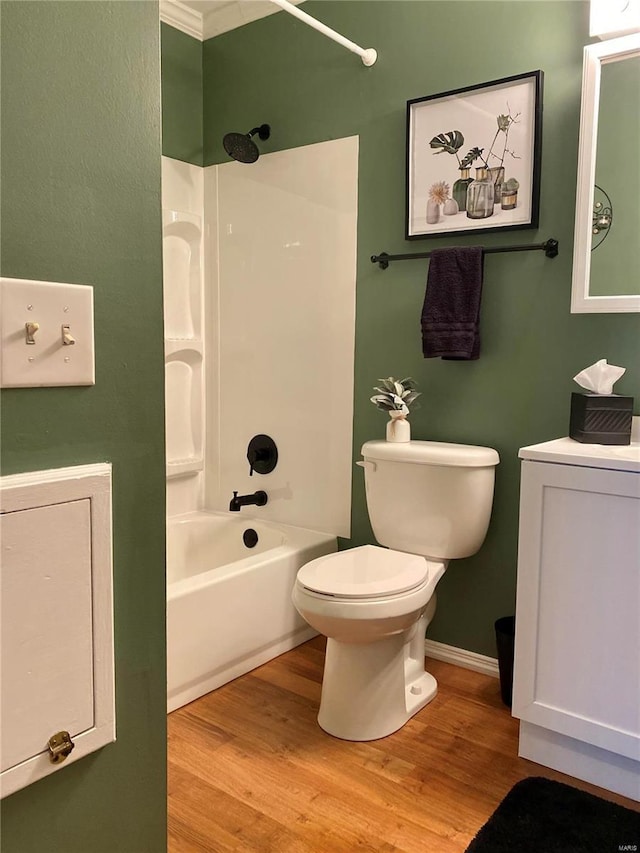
point(262, 455)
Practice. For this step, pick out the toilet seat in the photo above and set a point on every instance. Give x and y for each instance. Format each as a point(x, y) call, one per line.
point(367, 572)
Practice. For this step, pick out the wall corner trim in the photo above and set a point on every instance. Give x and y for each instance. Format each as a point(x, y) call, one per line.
point(461, 657)
point(182, 17)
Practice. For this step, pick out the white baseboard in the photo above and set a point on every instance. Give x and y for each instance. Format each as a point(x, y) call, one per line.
point(461, 657)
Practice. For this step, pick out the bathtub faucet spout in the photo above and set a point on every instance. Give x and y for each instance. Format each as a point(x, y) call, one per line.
point(258, 498)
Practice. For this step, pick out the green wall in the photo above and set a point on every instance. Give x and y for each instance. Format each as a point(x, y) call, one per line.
point(278, 70)
point(181, 96)
point(81, 204)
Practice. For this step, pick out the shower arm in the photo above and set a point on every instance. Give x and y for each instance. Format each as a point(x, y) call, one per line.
point(368, 55)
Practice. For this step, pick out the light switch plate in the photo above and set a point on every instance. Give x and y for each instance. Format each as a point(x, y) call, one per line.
point(52, 307)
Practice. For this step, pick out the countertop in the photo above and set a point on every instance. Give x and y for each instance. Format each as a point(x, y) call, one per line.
point(566, 451)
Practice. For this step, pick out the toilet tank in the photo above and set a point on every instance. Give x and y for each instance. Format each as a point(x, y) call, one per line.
point(429, 497)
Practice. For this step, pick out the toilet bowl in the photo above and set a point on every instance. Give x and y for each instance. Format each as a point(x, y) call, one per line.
point(373, 605)
point(428, 502)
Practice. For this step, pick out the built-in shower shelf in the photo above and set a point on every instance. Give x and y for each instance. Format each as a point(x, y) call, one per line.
point(177, 345)
point(183, 467)
point(184, 332)
point(171, 217)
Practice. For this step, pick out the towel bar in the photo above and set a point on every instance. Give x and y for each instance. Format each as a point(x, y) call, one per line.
point(550, 248)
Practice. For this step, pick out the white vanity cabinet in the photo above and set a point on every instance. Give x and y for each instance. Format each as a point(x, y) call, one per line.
point(577, 653)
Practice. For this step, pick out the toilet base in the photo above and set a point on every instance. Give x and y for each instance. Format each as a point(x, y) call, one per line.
point(371, 690)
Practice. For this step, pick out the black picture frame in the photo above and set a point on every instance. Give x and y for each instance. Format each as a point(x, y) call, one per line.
point(493, 127)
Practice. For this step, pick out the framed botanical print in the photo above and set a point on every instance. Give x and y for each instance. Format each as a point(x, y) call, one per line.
point(473, 158)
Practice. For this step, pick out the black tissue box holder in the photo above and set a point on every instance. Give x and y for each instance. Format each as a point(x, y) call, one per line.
point(601, 418)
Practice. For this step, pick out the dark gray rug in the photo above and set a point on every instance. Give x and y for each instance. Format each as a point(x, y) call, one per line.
point(541, 816)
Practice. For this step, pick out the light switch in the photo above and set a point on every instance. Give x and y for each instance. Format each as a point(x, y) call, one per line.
point(46, 334)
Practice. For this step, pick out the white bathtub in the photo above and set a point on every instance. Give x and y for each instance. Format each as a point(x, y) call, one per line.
point(229, 606)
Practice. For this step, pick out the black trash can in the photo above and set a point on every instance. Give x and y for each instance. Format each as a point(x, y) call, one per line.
point(505, 637)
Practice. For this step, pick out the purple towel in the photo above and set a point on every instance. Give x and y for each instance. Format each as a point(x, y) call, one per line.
point(451, 310)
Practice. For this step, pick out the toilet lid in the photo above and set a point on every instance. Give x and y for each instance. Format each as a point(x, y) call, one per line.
point(365, 572)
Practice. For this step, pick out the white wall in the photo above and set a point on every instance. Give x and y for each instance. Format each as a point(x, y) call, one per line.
point(281, 286)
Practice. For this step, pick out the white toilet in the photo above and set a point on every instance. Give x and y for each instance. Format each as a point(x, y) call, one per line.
point(429, 502)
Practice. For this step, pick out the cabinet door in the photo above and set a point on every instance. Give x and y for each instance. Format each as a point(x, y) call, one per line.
point(46, 635)
point(577, 666)
point(56, 619)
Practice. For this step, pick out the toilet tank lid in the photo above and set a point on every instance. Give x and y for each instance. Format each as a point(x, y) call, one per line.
point(431, 453)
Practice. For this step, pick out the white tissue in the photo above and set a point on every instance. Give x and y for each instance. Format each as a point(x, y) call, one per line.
point(600, 377)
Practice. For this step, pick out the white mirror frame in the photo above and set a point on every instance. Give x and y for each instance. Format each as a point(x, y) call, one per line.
point(581, 301)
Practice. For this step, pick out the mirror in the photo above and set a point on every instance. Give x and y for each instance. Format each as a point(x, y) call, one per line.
point(606, 254)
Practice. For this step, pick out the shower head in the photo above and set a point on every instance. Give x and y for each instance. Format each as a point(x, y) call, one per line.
point(241, 146)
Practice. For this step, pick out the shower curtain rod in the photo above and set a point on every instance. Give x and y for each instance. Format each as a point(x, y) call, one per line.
point(368, 55)
point(550, 248)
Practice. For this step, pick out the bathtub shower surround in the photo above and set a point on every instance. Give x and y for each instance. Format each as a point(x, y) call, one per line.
point(260, 268)
point(183, 276)
point(284, 300)
point(229, 597)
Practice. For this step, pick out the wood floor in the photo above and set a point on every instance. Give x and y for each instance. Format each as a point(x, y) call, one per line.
point(250, 769)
